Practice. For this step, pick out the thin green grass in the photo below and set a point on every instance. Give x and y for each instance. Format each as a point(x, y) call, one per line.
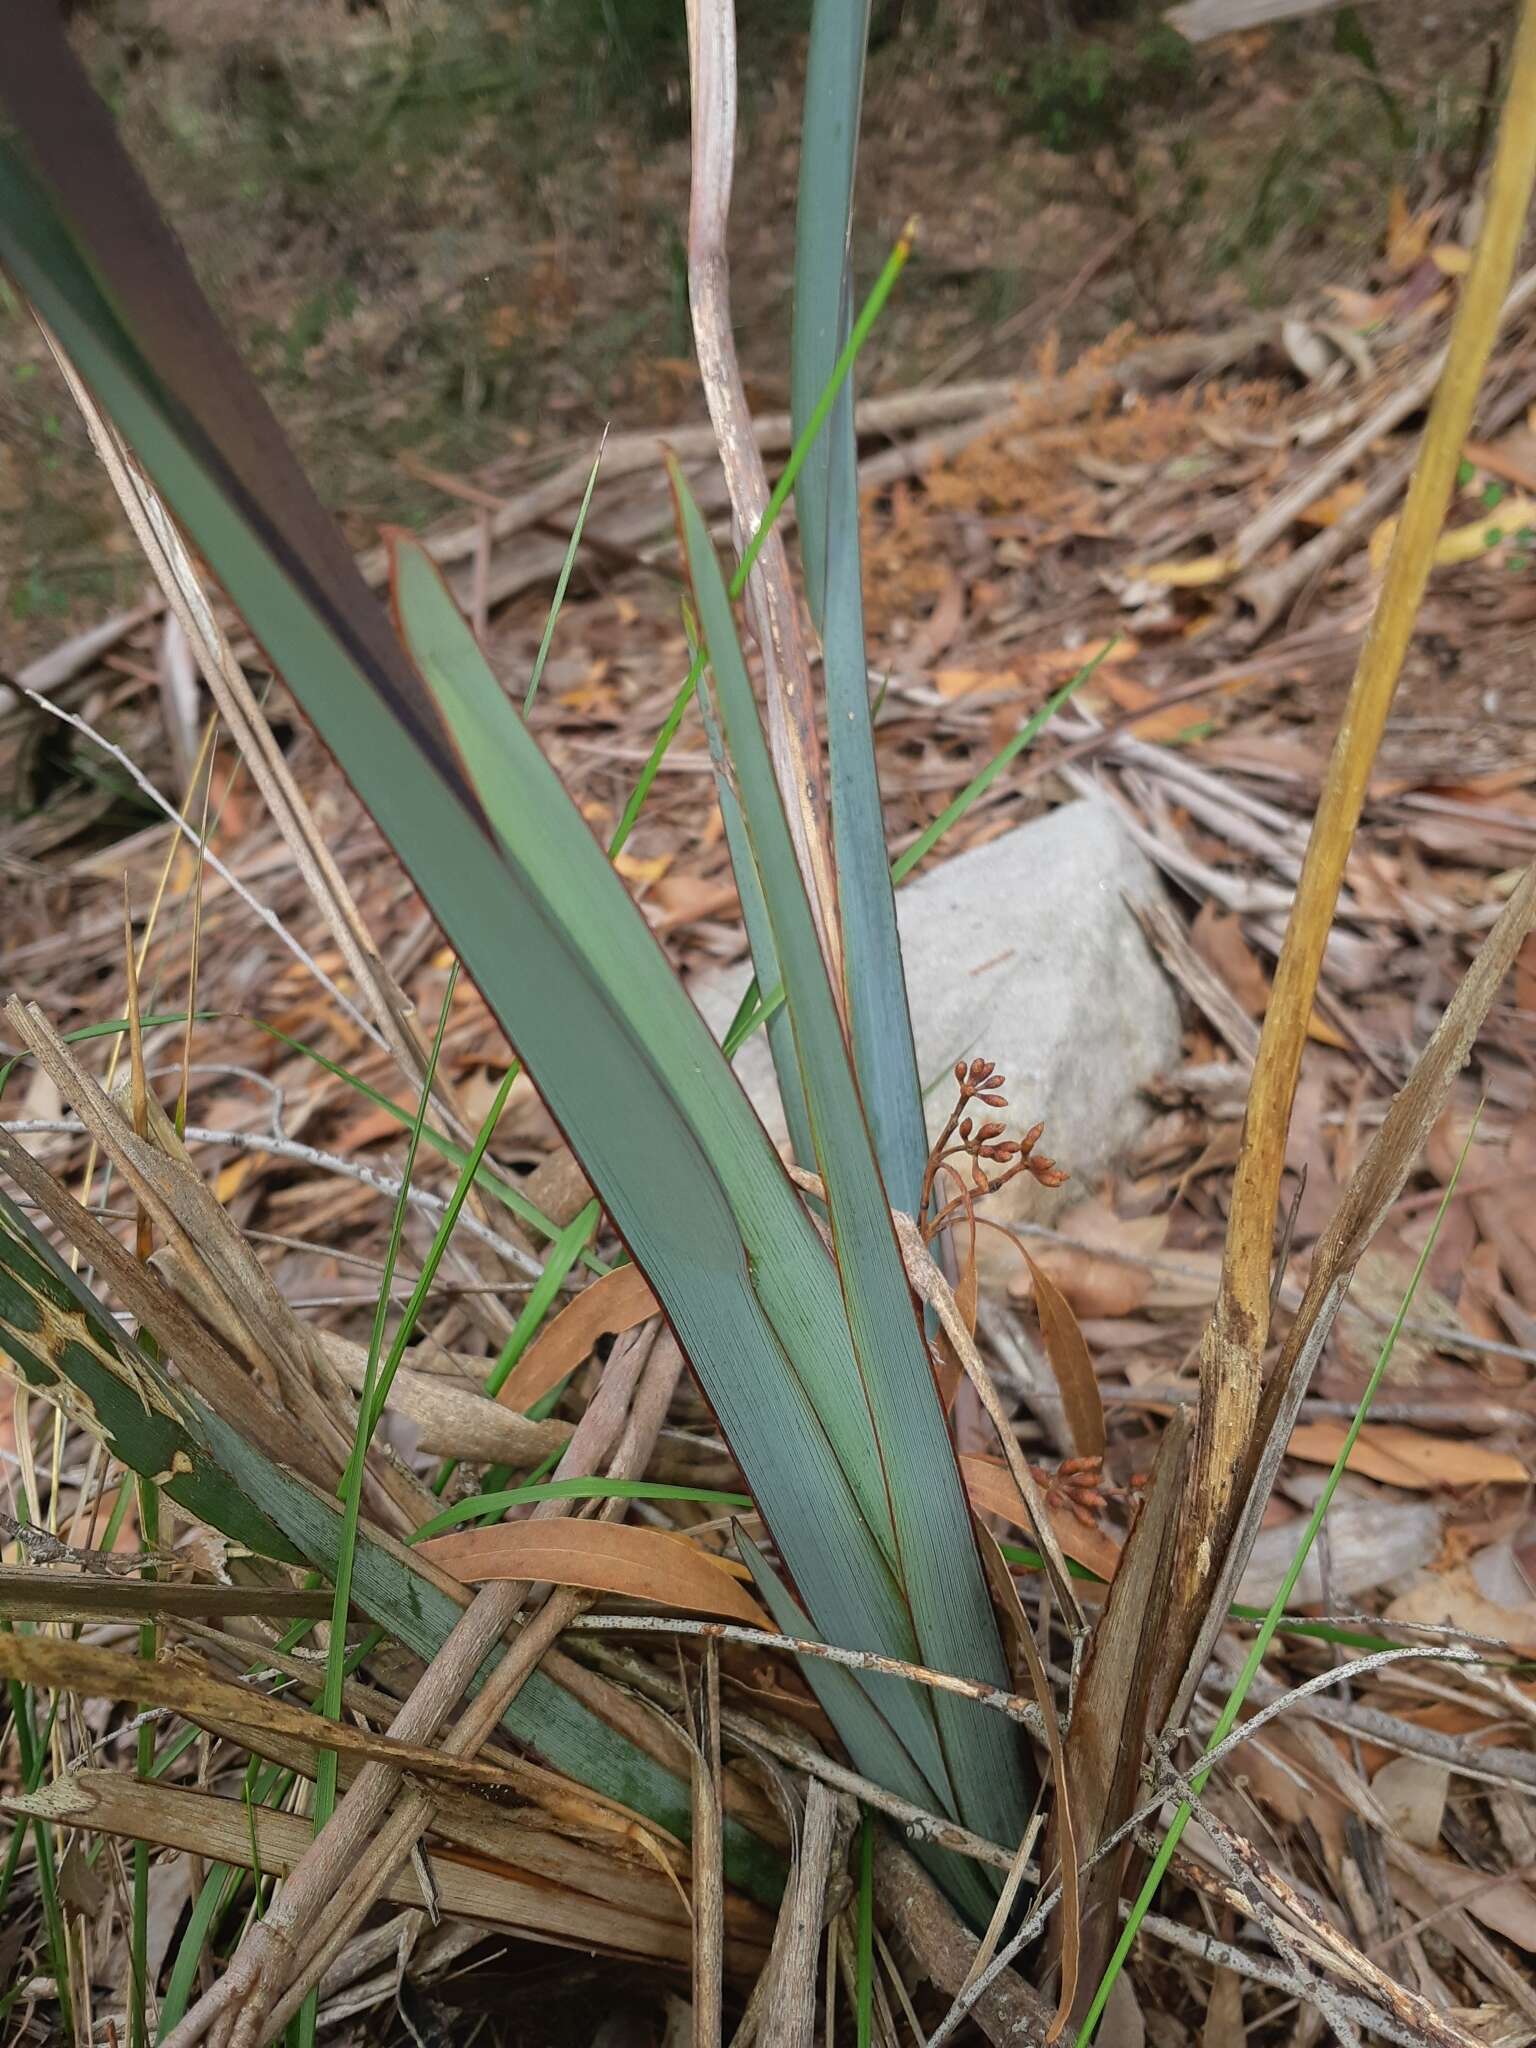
point(563, 580)
point(370, 1406)
point(978, 786)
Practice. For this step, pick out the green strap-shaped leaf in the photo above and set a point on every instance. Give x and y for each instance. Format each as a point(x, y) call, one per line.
point(632, 1074)
point(827, 500)
point(563, 957)
point(754, 915)
point(853, 1710)
point(939, 1566)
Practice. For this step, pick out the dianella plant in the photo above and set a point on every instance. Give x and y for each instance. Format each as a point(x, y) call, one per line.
point(788, 1294)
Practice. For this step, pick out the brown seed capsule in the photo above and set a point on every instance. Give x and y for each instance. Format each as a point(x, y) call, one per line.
point(960, 1072)
point(965, 1127)
point(996, 1101)
point(991, 1130)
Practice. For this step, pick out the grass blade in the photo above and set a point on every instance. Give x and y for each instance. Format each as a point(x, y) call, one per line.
point(60, 1338)
point(370, 1406)
point(563, 579)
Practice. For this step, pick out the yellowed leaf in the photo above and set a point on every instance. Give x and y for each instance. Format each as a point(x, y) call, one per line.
point(1481, 536)
point(1407, 234)
point(1330, 508)
point(614, 1303)
point(1450, 259)
point(1409, 1457)
point(1195, 575)
point(604, 1557)
point(635, 869)
point(230, 1179)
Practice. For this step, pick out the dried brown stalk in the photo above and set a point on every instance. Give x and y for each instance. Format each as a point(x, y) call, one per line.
point(792, 734)
point(1234, 1342)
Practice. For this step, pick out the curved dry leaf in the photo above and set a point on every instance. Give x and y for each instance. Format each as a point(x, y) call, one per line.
point(992, 1492)
point(1019, 1638)
point(607, 1308)
point(1409, 1457)
point(1068, 1353)
point(605, 1557)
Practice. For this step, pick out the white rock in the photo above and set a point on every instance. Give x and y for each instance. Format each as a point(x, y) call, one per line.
point(1023, 950)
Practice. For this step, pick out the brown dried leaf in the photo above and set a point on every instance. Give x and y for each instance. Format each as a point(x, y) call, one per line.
point(1023, 1649)
point(1107, 1739)
point(605, 1557)
point(1217, 937)
point(1068, 1353)
point(1409, 1457)
point(1092, 1284)
point(612, 1304)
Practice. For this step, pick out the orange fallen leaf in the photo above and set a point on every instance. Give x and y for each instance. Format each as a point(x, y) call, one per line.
point(992, 1491)
point(614, 1303)
point(1409, 1457)
point(1330, 508)
point(604, 1557)
point(1095, 1285)
point(683, 899)
point(1162, 721)
point(1407, 234)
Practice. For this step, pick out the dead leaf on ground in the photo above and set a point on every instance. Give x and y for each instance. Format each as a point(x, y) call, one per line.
point(1217, 937)
point(1454, 1599)
point(1409, 1457)
point(604, 1557)
point(1412, 1791)
point(607, 1308)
